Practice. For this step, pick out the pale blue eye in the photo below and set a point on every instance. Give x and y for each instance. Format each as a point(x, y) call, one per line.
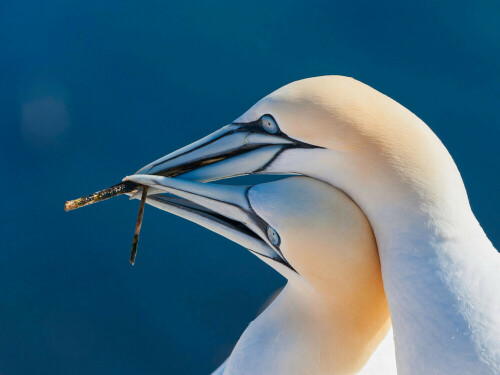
point(272, 235)
point(269, 124)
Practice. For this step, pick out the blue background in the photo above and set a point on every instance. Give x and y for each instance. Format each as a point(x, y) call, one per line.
point(90, 91)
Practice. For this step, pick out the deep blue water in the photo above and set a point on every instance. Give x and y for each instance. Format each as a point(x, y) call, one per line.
point(90, 91)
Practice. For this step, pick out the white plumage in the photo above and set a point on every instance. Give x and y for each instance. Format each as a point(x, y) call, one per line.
point(333, 313)
point(440, 271)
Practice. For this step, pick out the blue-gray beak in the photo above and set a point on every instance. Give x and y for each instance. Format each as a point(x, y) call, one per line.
point(234, 150)
point(223, 209)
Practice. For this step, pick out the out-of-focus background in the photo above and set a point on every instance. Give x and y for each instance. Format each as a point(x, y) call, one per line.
point(90, 91)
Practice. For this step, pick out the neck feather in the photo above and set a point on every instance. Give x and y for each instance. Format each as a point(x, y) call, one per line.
point(301, 333)
point(438, 269)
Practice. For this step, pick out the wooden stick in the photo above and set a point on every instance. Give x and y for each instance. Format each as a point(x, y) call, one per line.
point(113, 191)
point(135, 241)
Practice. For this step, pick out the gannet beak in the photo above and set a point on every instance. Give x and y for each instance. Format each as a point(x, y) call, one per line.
point(234, 150)
point(222, 209)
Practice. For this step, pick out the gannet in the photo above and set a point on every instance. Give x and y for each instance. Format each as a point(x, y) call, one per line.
point(440, 271)
point(333, 313)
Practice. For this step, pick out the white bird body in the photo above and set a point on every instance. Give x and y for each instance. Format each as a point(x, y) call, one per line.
point(296, 335)
point(440, 272)
point(382, 362)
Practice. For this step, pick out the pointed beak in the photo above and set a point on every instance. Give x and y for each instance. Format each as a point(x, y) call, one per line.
point(222, 209)
point(234, 150)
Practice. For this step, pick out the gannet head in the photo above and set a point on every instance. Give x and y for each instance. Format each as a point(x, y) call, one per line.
point(340, 131)
point(311, 233)
point(298, 225)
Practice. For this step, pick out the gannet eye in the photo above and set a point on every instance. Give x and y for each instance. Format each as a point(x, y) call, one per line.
point(269, 124)
point(273, 236)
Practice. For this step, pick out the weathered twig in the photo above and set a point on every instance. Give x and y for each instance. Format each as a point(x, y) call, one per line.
point(113, 191)
point(135, 241)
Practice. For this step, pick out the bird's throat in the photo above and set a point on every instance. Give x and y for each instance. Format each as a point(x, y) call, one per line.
point(299, 332)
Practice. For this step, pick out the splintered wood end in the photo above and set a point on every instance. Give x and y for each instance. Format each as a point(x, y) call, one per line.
point(138, 225)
